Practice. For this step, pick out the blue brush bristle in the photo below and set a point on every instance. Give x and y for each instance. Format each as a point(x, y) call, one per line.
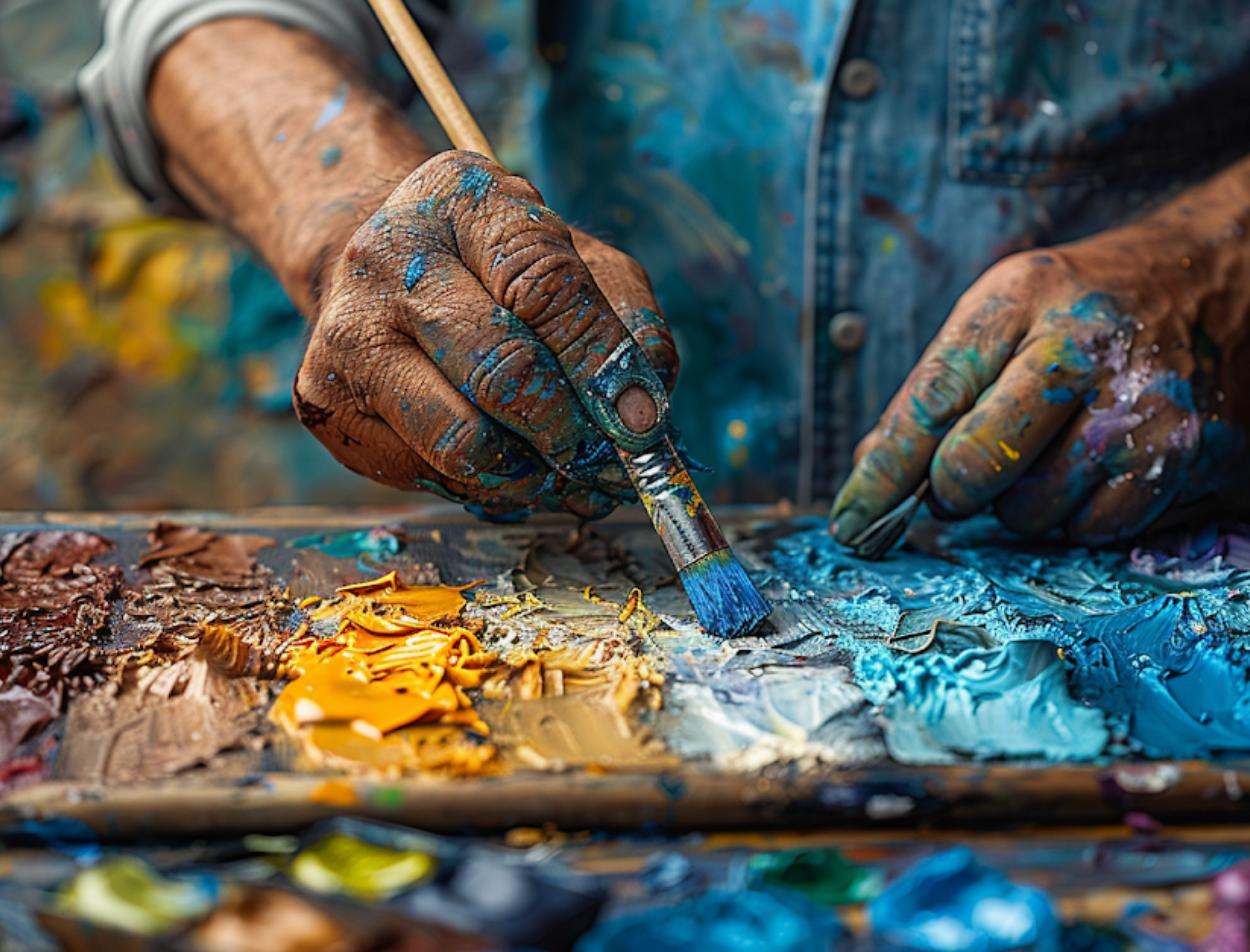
point(723, 596)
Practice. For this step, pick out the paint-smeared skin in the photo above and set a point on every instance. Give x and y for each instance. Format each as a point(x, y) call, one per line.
point(1088, 386)
point(461, 323)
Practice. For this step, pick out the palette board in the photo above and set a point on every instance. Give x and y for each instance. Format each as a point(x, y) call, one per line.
point(969, 679)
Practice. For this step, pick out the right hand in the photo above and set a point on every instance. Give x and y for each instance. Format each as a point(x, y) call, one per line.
point(461, 322)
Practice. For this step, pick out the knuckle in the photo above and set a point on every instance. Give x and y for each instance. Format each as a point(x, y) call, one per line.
point(942, 392)
point(512, 377)
point(1039, 265)
point(543, 285)
point(881, 469)
point(462, 449)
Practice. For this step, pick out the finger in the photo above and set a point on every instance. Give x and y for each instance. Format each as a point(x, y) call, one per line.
point(1110, 443)
point(497, 363)
point(1129, 501)
point(368, 447)
point(1039, 390)
point(392, 380)
point(1055, 486)
point(892, 461)
point(524, 256)
point(628, 289)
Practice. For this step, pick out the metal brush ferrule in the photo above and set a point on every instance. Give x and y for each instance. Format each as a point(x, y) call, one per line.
point(682, 520)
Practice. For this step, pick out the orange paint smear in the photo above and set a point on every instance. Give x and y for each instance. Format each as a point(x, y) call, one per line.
point(334, 793)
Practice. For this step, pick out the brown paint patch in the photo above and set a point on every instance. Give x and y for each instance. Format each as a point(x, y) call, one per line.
point(158, 720)
point(54, 608)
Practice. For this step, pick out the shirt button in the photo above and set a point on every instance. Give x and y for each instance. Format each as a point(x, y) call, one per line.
point(847, 330)
point(858, 78)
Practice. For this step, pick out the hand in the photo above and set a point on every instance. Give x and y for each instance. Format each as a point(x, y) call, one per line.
point(1087, 386)
point(461, 323)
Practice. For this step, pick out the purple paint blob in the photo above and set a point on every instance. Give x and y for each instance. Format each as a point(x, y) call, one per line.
point(1231, 929)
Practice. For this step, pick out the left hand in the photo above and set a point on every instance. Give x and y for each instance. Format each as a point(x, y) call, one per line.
point(1087, 386)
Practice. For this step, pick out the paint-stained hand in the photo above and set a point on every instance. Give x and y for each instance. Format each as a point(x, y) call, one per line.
point(461, 323)
point(1088, 386)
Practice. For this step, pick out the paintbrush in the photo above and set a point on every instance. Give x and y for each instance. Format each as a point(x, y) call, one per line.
point(723, 597)
point(877, 538)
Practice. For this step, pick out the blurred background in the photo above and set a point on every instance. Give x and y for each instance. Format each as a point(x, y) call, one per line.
point(145, 362)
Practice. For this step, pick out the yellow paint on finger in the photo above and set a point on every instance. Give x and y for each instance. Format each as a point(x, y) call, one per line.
point(1012, 454)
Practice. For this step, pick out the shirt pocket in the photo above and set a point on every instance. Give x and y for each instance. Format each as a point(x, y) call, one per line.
point(1064, 91)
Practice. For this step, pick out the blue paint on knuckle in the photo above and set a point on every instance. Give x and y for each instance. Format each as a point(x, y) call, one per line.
point(476, 181)
point(415, 271)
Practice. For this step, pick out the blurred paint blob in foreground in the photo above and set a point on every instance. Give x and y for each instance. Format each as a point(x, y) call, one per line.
point(343, 865)
point(503, 896)
point(824, 876)
point(269, 920)
point(722, 921)
point(1230, 930)
point(952, 903)
point(127, 894)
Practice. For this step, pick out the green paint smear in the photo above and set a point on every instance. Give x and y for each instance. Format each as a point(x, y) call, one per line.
point(824, 876)
point(127, 894)
point(338, 864)
point(389, 798)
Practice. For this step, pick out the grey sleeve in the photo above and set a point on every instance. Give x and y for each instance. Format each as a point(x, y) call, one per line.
point(137, 32)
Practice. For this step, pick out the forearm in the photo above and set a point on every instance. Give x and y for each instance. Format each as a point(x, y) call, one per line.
point(258, 135)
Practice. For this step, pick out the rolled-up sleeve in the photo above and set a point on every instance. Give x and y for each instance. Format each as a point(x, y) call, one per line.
point(137, 32)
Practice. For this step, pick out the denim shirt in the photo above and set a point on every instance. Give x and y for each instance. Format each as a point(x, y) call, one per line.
point(811, 184)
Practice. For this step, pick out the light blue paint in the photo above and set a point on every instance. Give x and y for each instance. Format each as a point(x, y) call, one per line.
point(952, 903)
point(375, 545)
point(333, 109)
point(1134, 650)
point(984, 703)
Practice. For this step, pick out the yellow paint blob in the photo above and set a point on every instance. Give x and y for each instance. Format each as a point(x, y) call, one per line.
point(341, 864)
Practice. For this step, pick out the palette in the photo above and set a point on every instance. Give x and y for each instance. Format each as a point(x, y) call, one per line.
point(261, 672)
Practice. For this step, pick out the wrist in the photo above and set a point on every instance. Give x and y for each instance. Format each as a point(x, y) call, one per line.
point(321, 205)
point(271, 132)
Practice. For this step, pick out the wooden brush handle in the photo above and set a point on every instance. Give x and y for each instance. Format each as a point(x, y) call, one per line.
point(428, 73)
